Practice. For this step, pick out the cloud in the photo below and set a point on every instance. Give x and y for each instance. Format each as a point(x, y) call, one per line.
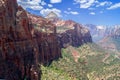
point(50, 5)
point(115, 6)
point(85, 3)
point(71, 12)
point(36, 7)
point(91, 8)
point(39, 5)
point(45, 12)
point(43, 3)
point(55, 1)
point(92, 13)
point(66, 12)
point(105, 3)
point(74, 12)
point(32, 4)
point(69, 8)
point(89, 4)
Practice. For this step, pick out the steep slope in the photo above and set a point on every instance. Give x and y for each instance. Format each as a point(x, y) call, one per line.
point(22, 45)
point(18, 58)
point(70, 32)
point(100, 32)
point(27, 41)
point(97, 32)
point(75, 37)
point(49, 73)
point(93, 63)
point(45, 33)
point(106, 36)
point(111, 40)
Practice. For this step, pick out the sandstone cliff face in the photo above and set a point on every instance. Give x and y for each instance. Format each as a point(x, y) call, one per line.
point(27, 41)
point(74, 37)
point(18, 51)
point(70, 33)
point(45, 33)
point(24, 45)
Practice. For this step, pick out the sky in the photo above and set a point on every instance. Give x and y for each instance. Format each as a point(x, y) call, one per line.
point(97, 12)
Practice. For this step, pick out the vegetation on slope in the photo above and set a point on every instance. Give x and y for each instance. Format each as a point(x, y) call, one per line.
point(93, 63)
point(116, 41)
point(50, 73)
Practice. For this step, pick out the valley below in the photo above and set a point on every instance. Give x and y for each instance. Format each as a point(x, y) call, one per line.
point(93, 63)
point(49, 48)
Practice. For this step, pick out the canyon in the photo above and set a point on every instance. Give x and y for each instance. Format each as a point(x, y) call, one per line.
point(27, 41)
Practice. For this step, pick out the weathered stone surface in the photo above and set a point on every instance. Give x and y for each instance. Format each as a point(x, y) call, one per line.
point(74, 37)
point(18, 50)
point(27, 40)
point(70, 32)
point(45, 33)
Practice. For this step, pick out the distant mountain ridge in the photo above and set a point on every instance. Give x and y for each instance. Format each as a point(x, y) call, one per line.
point(99, 32)
point(70, 33)
point(107, 37)
point(51, 15)
point(28, 41)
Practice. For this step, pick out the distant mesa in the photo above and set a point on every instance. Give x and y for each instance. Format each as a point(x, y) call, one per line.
point(51, 15)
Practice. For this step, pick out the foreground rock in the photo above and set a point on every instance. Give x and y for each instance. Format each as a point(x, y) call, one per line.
point(22, 45)
point(18, 50)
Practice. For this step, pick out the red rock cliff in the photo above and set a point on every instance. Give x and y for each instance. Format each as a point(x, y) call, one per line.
point(18, 50)
point(23, 46)
point(26, 41)
point(45, 33)
point(74, 37)
point(69, 33)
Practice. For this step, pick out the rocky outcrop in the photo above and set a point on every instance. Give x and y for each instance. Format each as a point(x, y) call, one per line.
point(24, 45)
point(27, 41)
point(18, 50)
point(74, 37)
point(70, 32)
point(45, 33)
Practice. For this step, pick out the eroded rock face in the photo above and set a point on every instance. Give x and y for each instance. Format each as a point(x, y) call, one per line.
point(25, 42)
point(18, 50)
point(74, 37)
point(45, 33)
point(69, 32)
